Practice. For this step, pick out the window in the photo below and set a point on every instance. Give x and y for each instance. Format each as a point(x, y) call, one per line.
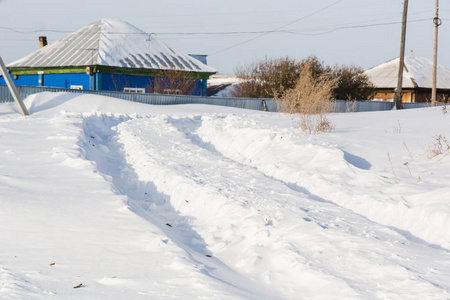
point(171, 91)
point(76, 87)
point(134, 90)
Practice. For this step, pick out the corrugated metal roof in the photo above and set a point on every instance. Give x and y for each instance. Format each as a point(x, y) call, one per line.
point(113, 43)
point(417, 73)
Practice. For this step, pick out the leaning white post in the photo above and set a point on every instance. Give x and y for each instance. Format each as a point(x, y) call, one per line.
point(12, 88)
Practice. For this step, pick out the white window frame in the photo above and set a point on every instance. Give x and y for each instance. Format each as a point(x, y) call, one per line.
point(134, 90)
point(171, 91)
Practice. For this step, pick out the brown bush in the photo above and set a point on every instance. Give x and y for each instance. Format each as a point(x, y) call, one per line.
point(309, 101)
point(176, 82)
point(266, 77)
point(273, 76)
point(352, 84)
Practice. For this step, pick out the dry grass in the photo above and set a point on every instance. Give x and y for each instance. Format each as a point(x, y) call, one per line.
point(440, 146)
point(392, 168)
point(398, 128)
point(351, 106)
point(309, 102)
point(444, 108)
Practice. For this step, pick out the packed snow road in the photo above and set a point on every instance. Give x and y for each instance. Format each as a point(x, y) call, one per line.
point(256, 225)
point(187, 203)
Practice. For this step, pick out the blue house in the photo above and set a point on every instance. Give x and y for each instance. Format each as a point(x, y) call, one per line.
point(112, 55)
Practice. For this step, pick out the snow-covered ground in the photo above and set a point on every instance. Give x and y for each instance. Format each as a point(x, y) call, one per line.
point(232, 80)
point(131, 201)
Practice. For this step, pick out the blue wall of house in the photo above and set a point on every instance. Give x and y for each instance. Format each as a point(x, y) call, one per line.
point(52, 80)
point(28, 80)
point(98, 81)
point(113, 82)
point(66, 80)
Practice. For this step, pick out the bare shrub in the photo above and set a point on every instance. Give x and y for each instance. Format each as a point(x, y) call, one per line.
point(309, 102)
point(352, 84)
point(176, 82)
point(440, 146)
point(266, 77)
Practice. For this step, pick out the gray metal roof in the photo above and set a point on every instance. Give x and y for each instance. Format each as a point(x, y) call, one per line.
point(417, 73)
point(114, 43)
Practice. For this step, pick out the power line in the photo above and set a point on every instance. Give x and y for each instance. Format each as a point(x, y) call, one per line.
point(359, 26)
point(292, 31)
point(234, 33)
point(278, 28)
point(33, 31)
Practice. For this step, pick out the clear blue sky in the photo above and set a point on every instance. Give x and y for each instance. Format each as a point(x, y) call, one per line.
point(359, 32)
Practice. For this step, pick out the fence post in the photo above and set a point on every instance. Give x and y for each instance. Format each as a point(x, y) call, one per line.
point(12, 88)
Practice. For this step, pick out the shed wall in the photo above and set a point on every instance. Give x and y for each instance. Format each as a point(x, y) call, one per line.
point(418, 95)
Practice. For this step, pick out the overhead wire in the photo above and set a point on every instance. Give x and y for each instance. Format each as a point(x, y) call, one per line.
point(304, 31)
point(358, 26)
point(278, 28)
point(237, 33)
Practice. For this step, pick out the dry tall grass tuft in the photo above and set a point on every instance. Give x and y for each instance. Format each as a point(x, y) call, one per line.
point(309, 102)
point(440, 146)
point(444, 108)
point(351, 106)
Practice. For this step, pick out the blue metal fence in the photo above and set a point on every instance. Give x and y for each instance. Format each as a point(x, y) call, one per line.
point(416, 105)
point(247, 103)
point(155, 99)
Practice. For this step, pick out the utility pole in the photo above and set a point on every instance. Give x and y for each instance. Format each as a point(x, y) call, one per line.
point(13, 89)
point(437, 22)
point(398, 90)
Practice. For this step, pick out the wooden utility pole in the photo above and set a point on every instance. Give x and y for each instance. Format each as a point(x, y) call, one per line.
point(12, 88)
point(437, 22)
point(401, 65)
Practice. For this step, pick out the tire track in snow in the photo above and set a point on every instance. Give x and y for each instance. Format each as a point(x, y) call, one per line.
point(261, 227)
point(19, 286)
point(321, 171)
point(101, 146)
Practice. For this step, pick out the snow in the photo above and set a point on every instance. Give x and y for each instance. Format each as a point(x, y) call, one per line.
point(205, 202)
point(223, 79)
point(418, 73)
point(232, 80)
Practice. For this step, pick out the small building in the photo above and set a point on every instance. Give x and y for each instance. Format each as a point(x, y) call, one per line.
point(417, 80)
point(112, 55)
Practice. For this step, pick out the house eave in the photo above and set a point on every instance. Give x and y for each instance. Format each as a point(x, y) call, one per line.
point(108, 70)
